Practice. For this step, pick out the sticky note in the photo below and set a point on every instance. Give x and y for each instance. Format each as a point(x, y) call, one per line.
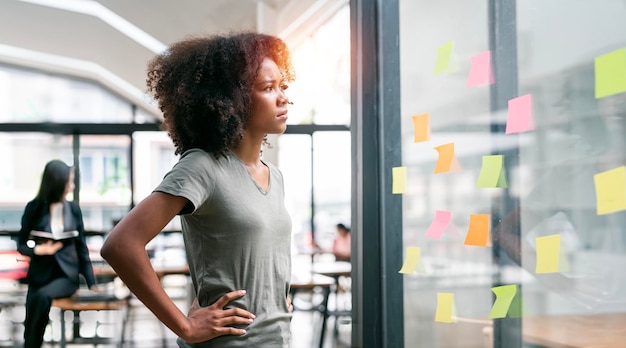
point(439, 224)
point(478, 231)
point(412, 261)
point(610, 73)
point(398, 180)
point(492, 172)
point(447, 60)
point(548, 249)
point(504, 298)
point(446, 312)
point(421, 128)
point(447, 161)
point(610, 190)
point(520, 115)
point(481, 70)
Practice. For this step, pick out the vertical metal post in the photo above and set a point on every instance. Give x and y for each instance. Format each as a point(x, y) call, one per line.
point(503, 45)
point(76, 158)
point(377, 288)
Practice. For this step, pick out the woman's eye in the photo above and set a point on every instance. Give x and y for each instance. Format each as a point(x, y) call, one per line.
point(283, 87)
point(268, 88)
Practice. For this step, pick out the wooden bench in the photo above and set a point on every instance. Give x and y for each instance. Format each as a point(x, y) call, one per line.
point(93, 302)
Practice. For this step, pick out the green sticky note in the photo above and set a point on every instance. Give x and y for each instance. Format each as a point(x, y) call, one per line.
point(444, 55)
point(492, 172)
point(610, 71)
point(504, 298)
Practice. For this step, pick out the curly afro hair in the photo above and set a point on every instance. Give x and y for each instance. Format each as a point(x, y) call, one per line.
point(203, 86)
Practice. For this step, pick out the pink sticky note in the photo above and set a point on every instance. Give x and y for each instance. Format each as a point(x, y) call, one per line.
point(439, 224)
point(481, 71)
point(520, 118)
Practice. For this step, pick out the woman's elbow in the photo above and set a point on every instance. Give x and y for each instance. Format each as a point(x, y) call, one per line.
point(110, 249)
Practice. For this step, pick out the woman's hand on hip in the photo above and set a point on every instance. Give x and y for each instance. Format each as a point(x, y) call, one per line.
point(213, 321)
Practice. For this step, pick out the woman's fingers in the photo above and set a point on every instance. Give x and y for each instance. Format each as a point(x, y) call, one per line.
point(228, 297)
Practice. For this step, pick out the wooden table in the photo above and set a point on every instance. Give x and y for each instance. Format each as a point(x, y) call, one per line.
point(304, 282)
point(333, 269)
point(606, 330)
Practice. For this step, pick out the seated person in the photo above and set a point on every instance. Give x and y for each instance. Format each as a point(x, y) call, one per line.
point(341, 244)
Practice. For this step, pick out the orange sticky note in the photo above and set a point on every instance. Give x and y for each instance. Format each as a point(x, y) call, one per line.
point(610, 73)
point(520, 116)
point(412, 261)
point(478, 231)
point(446, 312)
point(421, 128)
point(610, 190)
point(481, 70)
point(548, 250)
point(504, 298)
point(398, 180)
point(447, 161)
point(439, 224)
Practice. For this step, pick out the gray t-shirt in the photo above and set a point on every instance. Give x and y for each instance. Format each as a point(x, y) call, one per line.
point(236, 237)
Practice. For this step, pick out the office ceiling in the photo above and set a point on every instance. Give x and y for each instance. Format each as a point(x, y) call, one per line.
point(99, 40)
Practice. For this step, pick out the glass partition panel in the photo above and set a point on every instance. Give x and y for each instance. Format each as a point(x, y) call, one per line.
point(24, 156)
point(294, 161)
point(552, 247)
point(104, 180)
point(460, 134)
point(153, 158)
point(331, 184)
point(572, 62)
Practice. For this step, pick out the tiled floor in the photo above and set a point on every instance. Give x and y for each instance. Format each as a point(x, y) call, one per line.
point(144, 331)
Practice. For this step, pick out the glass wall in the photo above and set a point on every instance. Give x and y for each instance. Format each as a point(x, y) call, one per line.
point(513, 123)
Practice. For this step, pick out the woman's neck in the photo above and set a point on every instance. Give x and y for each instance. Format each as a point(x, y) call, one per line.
point(249, 151)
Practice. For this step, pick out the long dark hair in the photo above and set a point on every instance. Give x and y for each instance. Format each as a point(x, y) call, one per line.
point(53, 182)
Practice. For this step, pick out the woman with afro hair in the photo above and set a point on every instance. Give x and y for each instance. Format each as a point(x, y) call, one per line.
point(220, 97)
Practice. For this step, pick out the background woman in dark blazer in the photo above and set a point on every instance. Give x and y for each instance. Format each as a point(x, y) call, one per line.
point(54, 265)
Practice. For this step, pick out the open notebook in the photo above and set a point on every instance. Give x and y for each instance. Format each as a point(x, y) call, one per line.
point(53, 236)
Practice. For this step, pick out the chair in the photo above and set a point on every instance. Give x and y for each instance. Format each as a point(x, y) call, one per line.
point(91, 302)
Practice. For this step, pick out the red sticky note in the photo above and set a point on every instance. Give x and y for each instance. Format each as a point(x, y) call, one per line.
point(439, 224)
point(520, 117)
point(478, 231)
point(481, 71)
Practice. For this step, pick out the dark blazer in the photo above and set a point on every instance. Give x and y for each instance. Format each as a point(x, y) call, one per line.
point(73, 258)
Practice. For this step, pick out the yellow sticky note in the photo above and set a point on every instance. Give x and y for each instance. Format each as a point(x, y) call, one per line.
point(548, 249)
point(421, 128)
point(492, 172)
point(412, 261)
point(447, 161)
point(611, 190)
point(446, 312)
point(478, 231)
point(610, 73)
point(399, 180)
point(504, 297)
